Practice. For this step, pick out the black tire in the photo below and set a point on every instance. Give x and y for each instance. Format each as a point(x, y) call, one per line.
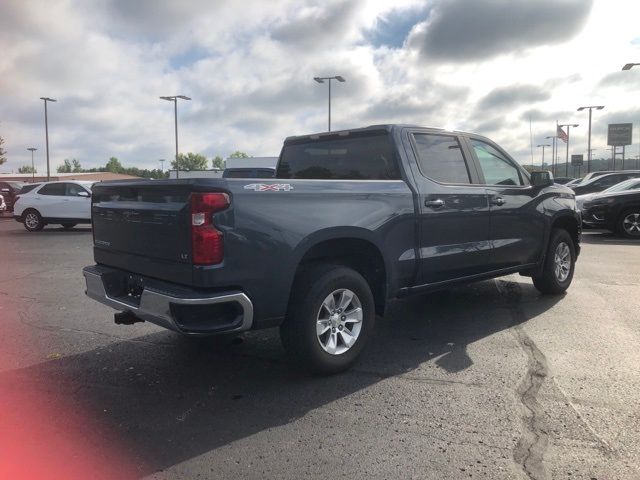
point(298, 332)
point(549, 281)
point(628, 223)
point(33, 220)
point(68, 226)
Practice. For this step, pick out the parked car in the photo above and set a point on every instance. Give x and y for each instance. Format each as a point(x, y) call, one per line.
point(602, 182)
point(9, 190)
point(3, 205)
point(599, 173)
point(630, 184)
point(571, 183)
point(353, 220)
point(248, 173)
point(615, 211)
point(563, 180)
point(65, 203)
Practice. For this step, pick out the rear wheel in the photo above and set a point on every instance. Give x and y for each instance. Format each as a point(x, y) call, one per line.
point(629, 223)
point(330, 318)
point(559, 264)
point(33, 221)
point(67, 226)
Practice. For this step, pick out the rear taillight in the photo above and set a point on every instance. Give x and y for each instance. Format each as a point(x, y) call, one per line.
point(207, 242)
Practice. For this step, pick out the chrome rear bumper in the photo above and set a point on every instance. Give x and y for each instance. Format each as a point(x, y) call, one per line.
point(161, 306)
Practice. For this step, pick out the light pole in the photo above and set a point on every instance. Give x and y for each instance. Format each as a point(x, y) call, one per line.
point(321, 80)
point(174, 99)
point(46, 131)
point(543, 147)
point(161, 165)
point(33, 170)
point(568, 125)
point(553, 151)
point(597, 107)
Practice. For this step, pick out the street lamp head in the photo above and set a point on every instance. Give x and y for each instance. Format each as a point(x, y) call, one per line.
point(544, 145)
point(32, 149)
point(629, 66)
point(47, 99)
point(183, 97)
point(318, 79)
point(340, 78)
point(574, 125)
point(171, 99)
point(550, 136)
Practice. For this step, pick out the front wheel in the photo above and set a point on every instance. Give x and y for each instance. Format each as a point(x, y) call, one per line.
point(330, 318)
point(629, 223)
point(33, 221)
point(559, 264)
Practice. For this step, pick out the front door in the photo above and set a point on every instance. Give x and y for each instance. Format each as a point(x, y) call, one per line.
point(78, 206)
point(454, 213)
point(50, 200)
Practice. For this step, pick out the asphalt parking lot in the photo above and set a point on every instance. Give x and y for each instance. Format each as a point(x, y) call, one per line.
point(491, 380)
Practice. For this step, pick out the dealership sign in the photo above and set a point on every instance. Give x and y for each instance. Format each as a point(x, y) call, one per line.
point(577, 159)
point(619, 134)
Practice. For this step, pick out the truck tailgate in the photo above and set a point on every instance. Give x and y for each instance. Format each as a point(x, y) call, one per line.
point(143, 225)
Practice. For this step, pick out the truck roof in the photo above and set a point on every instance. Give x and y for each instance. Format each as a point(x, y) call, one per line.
point(387, 127)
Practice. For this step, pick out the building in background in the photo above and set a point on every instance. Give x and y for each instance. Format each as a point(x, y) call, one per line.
point(231, 163)
point(88, 176)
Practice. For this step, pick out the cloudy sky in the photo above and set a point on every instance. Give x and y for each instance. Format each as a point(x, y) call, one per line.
point(480, 65)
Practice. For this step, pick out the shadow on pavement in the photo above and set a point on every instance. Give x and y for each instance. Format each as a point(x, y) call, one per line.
point(171, 398)
point(605, 237)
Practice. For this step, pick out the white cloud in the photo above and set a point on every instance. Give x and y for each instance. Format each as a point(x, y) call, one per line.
point(249, 65)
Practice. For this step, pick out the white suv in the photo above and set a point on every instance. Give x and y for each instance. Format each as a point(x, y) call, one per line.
point(65, 203)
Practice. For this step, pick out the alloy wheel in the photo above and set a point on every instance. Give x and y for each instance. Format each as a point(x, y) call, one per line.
point(339, 321)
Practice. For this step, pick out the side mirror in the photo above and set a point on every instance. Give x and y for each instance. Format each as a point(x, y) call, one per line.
point(542, 178)
point(83, 194)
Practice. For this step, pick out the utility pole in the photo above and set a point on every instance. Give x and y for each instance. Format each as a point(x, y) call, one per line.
point(568, 125)
point(597, 107)
point(174, 99)
point(553, 151)
point(321, 80)
point(33, 169)
point(543, 147)
point(46, 131)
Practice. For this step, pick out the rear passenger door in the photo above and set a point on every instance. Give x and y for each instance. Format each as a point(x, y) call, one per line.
point(517, 224)
point(453, 223)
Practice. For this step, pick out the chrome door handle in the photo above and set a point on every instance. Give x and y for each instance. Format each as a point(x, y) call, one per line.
point(437, 203)
point(498, 201)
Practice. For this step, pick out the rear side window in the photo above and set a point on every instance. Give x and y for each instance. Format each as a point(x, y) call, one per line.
point(440, 158)
point(497, 169)
point(58, 189)
point(355, 157)
point(28, 188)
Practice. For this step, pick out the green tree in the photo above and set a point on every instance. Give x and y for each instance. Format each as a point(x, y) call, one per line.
point(65, 167)
point(190, 161)
point(239, 154)
point(27, 169)
point(114, 166)
point(3, 152)
point(218, 162)
point(76, 168)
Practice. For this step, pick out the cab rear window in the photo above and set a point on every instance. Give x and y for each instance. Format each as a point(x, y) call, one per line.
point(354, 157)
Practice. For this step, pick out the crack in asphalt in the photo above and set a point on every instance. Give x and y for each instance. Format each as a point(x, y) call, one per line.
point(530, 449)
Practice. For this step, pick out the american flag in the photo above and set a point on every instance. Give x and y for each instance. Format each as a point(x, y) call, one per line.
point(562, 135)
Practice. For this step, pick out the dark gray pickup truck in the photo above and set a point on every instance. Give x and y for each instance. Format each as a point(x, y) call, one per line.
point(352, 220)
